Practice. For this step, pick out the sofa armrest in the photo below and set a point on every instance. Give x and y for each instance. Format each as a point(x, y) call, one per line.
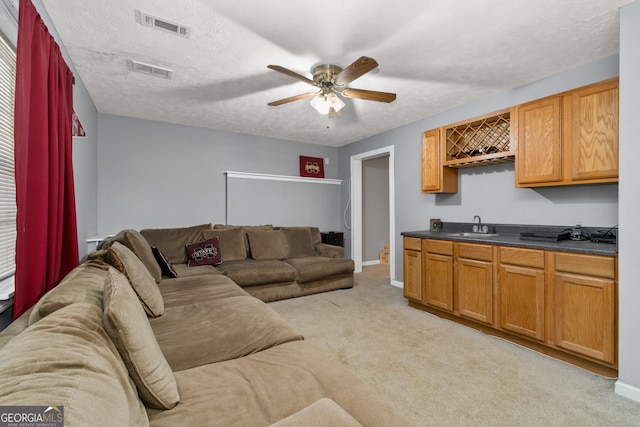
point(329, 251)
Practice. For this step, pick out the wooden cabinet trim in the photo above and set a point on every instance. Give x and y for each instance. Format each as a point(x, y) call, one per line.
point(522, 256)
point(590, 265)
point(475, 251)
point(413, 243)
point(443, 247)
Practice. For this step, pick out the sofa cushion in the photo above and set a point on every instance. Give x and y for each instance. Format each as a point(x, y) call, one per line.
point(205, 252)
point(165, 264)
point(313, 268)
point(145, 287)
point(183, 270)
point(322, 413)
point(68, 359)
point(139, 246)
point(171, 241)
point(83, 284)
point(219, 329)
point(267, 244)
point(129, 328)
point(244, 229)
point(251, 272)
point(192, 289)
point(298, 242)
point(232, 246)
point(267, 386)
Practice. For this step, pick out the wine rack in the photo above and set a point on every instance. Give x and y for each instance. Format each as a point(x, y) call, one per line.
point(480, 141)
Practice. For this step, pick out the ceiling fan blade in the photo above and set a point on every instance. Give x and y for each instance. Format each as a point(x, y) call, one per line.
point(291, 99)
point(292, 74)
point(369, 95)
point(362, 66)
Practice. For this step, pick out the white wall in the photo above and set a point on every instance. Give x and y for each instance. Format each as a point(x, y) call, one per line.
point(488, 191)
point(154, 174)
point(629, 244)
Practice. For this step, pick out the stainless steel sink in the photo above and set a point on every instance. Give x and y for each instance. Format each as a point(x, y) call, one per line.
point(472, 234)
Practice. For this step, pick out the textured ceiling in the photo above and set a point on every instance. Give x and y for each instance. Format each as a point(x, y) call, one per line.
point(435, 54)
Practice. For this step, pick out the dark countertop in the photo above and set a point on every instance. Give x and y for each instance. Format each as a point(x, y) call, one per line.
point(509, 235)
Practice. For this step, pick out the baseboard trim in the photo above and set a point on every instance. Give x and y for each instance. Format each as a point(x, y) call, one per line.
point(628, 391)
point(375, 262)
point(397, 284)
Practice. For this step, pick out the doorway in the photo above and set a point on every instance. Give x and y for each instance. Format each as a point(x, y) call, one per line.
point(357, 207)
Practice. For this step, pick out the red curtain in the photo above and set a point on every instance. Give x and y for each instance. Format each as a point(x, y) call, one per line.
point(46, 243)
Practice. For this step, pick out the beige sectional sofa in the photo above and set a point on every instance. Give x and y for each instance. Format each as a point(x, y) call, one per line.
point(270, 263)
point(114, 346)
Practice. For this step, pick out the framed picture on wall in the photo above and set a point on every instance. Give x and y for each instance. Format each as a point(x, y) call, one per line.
point(312, 167)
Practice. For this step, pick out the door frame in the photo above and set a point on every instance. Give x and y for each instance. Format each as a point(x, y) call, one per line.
point(356, 208)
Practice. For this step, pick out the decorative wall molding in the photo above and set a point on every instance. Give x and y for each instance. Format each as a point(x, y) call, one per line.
point(269, 177)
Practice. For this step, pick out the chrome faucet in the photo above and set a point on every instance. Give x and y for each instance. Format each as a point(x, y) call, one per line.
point(479, 228)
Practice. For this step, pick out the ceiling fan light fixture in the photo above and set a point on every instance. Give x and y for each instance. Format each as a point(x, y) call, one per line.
point(323, 102)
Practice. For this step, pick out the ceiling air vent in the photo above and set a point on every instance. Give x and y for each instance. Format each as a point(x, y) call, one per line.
point(161, 24)
point(152, 70)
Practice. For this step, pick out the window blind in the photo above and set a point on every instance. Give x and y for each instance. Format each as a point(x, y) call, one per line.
point(7, 177)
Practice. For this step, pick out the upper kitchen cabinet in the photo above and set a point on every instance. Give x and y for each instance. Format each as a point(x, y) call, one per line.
point(570, 138)
point(435, 177)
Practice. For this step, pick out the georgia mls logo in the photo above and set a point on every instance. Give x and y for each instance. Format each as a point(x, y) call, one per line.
point(31, 416)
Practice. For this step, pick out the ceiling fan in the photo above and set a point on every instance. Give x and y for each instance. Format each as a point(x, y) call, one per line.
point(332, 80)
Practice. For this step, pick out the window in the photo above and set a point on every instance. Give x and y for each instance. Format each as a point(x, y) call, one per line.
point(7, 178)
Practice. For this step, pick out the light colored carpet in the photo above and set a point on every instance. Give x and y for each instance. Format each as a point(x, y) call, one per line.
point(440, 373)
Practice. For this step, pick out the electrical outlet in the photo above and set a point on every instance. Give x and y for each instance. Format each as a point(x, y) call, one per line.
point(435, 224)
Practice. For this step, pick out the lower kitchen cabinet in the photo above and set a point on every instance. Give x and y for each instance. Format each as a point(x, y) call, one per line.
point(412, 263)
point(438, 264)
point(559, 303)
point(474, 269)
point(521, 292)
point(584, 306)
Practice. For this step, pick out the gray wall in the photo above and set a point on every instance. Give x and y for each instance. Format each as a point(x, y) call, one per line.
point(154, 174)
point(290, 203)
point(85, 151)
point(488, 191)
point(375, 207)
point(629, 244)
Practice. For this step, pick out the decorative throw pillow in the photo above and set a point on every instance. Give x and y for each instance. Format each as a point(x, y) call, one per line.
point(131, 332)
point(165, 265)
point(267, 244)
point(206, 252)
point(139, 277)
point(232, 245)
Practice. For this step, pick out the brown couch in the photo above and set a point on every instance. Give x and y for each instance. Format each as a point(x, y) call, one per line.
point(270, 263)
point(113, 347)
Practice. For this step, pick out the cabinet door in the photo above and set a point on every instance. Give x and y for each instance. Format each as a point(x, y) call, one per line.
point(594, 132)
point(584, 311)
point(413, 275)
point(539, 142)
point(439, 281)
point(521, 294)
point(475, 289)
point(435, 178)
